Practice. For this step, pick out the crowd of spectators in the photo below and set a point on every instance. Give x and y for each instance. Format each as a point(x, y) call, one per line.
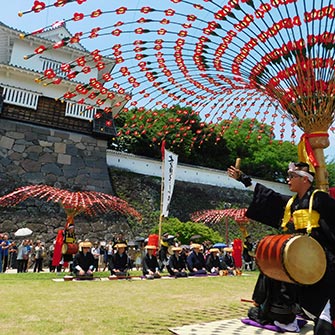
point(120, 256)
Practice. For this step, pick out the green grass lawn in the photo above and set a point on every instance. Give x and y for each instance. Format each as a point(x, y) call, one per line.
point(32, 303)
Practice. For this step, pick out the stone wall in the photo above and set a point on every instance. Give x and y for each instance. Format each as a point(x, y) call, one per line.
point(32, 155)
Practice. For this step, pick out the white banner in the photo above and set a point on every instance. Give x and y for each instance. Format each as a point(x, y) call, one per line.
point(170, 168)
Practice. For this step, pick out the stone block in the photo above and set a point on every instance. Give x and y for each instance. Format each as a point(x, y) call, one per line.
point(60, 148)
point(19, 148)
point(64, 159)
point(52, 168)
point(45, 143)
point(6, 142)
point(31, 166)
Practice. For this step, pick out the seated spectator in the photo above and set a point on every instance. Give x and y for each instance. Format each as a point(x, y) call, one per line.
point(150, 264)
point(177, 264)
point(229, 263)
point(196, 261)
point(213, 263)
point(119, 262)
point(83, 263)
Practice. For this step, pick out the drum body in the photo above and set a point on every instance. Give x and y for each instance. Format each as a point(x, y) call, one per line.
point(69, 248)
point(298, 259)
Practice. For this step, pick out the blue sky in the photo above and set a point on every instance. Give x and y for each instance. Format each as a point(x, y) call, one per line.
point(33, 21)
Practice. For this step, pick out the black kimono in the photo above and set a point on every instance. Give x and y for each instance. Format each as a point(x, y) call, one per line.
point(196, 261)
point(86, 262)
point(268, 207)
point(177, 266)
point(213, 262)
point(149, 263)
point(120, 262)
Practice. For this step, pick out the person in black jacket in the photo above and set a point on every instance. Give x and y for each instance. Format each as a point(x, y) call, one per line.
point(196, 263)
point(213, 262)
point(289, 213)
point(150, 263)
point(83, 262)
point(120, 262)
point(177, 264)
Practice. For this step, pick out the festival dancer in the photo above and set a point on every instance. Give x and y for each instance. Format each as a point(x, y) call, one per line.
point(281, 211)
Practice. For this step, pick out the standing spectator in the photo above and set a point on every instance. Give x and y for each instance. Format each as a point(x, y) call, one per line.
point(31, 254)
point(140, 254)
point(13, 255)
point(1, 255)
point(109, 251)
point(20, 260)
point(39, 252)
point(102, 263)
point(5, 252)
point(96, 254)
point(26, 255)
point(50, 254)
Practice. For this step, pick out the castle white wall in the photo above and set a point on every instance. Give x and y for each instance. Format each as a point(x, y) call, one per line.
point(186, 173)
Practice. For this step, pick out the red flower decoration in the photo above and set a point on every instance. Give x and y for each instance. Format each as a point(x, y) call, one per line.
point(65, 67)
point(96, 13)
point(81, 61)
point(60, 3)
point(78, 16)
point(100, 65)
point(121, 10)
point(146, 10)
point(38, 6)
point(40, 49)
point(49, 73)
point(86, 69)
point(170, 12)
point(116, 32)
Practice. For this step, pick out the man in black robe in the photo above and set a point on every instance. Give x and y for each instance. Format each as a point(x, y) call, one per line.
point(213, 262)
point(83, 262)
point(177, 264)
point(150, 267)
point(281, 211)
point(120, 261)
point(196, 263)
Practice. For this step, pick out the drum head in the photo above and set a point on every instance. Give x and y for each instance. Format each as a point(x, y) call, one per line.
point(304, 259)
point(64, 248)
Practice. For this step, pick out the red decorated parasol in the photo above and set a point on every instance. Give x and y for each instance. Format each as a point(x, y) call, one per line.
point(218, 215)
point(74, 203)
point(222, 59)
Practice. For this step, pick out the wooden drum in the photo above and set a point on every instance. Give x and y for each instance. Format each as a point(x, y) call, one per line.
point(298, 259)
point(69, 248)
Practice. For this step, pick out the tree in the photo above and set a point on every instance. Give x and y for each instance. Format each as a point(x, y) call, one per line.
point(185, 230)
point(261, 158)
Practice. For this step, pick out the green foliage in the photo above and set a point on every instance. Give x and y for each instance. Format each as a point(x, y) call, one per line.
point(211, 145)
point(331, 173)
point(185, 230)
point(142, 132)
point(259, 157)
